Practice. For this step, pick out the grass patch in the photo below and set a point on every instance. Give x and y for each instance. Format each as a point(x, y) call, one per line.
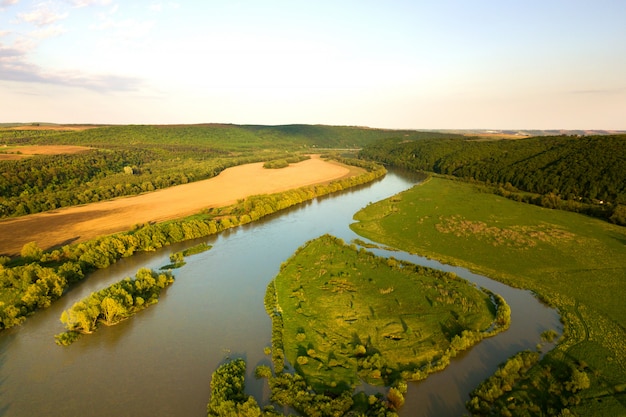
point(574, 262)
point(345, 314)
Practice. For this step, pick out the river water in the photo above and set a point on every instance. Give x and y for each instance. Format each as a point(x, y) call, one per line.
point(159, 363)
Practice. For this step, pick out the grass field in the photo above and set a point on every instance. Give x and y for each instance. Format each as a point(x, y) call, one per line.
point(575, 262)
point(349, 315)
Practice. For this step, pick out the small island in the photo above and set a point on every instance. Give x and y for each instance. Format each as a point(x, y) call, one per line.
point(342, 316)
point(113, 304)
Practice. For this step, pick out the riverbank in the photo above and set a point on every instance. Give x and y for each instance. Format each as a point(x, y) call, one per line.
point(574, 262)
point(82, 223)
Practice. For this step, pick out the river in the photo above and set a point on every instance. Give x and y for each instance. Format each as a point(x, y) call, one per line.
point(159, 363)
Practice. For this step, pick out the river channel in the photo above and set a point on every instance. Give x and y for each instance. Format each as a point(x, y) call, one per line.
point(159, 363)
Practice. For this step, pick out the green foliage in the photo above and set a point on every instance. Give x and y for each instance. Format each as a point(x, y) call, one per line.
point(276, 164)
point(227, 393)
point(113, 304)
point(128, 160)
point(342, 315)
point(577, 174)
point(525, 386)
point(177, 259)
point(31, 251)
point(284, 162)
point(72, 262)
point(199, 248)
point(573, 262)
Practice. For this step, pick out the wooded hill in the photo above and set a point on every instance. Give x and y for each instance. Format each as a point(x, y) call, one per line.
point(584, 174)
point(128, 160)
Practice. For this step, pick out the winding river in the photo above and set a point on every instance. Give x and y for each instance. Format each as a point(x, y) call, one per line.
point(159, 363)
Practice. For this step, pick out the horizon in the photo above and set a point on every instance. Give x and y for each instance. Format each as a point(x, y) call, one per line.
point(42, 125)
point(405, 66)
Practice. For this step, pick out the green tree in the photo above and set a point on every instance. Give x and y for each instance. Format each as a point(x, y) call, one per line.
point(31, 251)
point(112, 311)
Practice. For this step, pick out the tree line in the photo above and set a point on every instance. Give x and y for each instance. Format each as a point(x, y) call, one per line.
point(37, 278)
point(585, 174)
point(47, 182)
point(113, 304)
point(525, 386)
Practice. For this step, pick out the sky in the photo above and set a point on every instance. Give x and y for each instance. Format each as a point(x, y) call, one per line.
point(420, 64)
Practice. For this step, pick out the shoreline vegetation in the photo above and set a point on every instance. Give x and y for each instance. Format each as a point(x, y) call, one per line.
point(113, 304)
point(572, 262)
point(37, 278)
point(342, 316)
point(177, 259)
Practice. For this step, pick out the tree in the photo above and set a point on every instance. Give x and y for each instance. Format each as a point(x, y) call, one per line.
point(112, 311)
point(31, 251)
point(619, 215)
point(579, 381)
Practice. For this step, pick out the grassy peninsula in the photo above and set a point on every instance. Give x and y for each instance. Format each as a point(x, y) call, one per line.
point(342, 315)
point(574, 262)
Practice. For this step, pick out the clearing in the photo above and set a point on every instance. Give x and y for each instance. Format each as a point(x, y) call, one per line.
point(20, 152)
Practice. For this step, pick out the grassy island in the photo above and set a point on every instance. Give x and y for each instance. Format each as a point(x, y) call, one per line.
point(342, 315)
point(113, 304)
point(574, 262)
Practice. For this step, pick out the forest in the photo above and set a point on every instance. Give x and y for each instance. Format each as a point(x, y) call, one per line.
point(581, 174)
point(129, 160)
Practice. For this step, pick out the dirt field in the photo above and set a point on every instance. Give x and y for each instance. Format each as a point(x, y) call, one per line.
point(54, 127)
point(75, 224)
point(30, 150)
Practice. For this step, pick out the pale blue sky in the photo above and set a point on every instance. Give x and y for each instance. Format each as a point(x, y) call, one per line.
point(491, 64)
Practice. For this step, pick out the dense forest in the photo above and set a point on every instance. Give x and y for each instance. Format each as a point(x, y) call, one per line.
point(583, 174)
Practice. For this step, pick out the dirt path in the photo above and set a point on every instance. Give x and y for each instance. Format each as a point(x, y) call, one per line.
point(76, 224)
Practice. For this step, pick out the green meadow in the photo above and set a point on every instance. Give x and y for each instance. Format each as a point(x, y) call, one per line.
point(573, 262)
point(346, 315)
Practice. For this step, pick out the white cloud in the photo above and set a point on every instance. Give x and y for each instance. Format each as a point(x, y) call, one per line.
point(85, 3)
point(42, 15)
point(48, 32)
point(6, 3)
point(16, 66)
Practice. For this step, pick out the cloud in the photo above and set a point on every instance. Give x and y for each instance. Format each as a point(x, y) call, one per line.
point(14, 66)
point(42, 15)
point(85, 3)
point(6, 3)
point(159, 7)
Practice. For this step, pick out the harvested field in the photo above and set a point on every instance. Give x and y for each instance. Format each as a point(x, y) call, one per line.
point(55, 127)
point(20, 152)
point(75, 224)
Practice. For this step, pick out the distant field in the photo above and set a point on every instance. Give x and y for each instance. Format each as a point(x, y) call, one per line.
point(19, 152)
point(575, 262)
point(53, 127)
point(86, 222)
